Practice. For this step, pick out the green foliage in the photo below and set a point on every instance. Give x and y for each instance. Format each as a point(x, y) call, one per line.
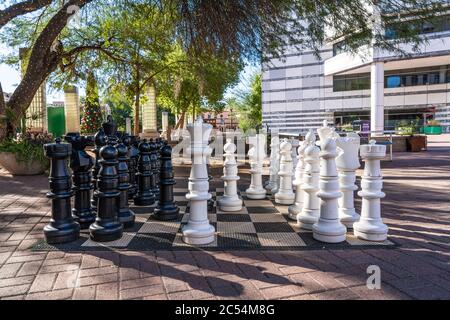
point(121, 107)
point(92, 113)
point(27, 147)
point(248, 105)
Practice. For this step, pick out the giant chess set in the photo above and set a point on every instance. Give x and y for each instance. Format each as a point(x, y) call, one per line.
point(126, 196)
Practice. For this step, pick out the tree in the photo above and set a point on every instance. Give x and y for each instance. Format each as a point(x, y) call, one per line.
point(254, 29)
point(92, 113)
point(248, 104)
point(121, 105)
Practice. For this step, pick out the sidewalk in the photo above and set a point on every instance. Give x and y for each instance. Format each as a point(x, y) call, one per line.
point(416, 209)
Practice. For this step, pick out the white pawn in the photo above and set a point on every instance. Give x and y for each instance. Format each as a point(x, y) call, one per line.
point(230, 200)
point(370, 226)
point(328, 228)
point(256, 156)
point(285, 194)
point(198, 230)
point(274, 164)
point(310, 211)
point(347, 162)
point(296, 208)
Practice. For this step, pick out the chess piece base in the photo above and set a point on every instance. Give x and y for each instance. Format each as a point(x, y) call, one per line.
point(293, 211)
point(198, 234)
point(229, 204)
point(348, 217)
point(84, 218)
point(67, 233)
point(166, 212)
point(373, 231)
point(285, 198)
point(329, 231)
point(109, 232)
point(144, 201)
point(127, 217)
point(256, 194)
point(307, 219)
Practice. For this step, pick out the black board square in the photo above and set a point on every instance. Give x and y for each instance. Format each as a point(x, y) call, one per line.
point(262, 210)
point(152, 241)
point(237, 240)
point(229, 217)
point(262, 227)
point(143, 210)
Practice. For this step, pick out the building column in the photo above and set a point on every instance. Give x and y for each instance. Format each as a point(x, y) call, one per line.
point(377, 97)
point(72, 109)
point(149, 114)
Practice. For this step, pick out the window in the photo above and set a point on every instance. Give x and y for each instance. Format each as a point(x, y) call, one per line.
point(392, 82)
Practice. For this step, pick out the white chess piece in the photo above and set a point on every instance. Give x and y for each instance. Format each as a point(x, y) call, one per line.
point(370, 226)
point(285, 194)
point(256, 156)
point(347, 162)
point(274, 164)
point(310, 210)
point(325, 132)
point(198, 230)
point(230, 200)
point(295, 209)
point(328, 228)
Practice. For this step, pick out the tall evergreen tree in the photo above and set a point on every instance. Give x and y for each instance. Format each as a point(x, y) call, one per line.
point(92, 113)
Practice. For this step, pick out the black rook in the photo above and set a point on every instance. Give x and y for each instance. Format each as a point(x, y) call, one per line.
point(154, 155)
point(107, 226)
point(167, 209)
point(81, 164)
point(62, 227)
point(126, 216)
point(144, 196)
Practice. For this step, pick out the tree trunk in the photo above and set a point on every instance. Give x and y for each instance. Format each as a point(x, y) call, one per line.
point(180, 122)
point(137, 102)
point(3, 126)
point(45, 57)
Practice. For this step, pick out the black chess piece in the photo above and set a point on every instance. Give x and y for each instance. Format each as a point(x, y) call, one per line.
point(126, 216)
point(159, 145)
point(62, 227)
point(167, 208)
point(110, 128)
point(107, 226)
point(144, 196)
point(136, 142)
point(100, 141)
point(81, 164)
point(210, 178)
point(154, 154)
point(133, 153)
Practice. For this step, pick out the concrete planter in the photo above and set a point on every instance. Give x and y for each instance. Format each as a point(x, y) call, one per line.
point(9, 161)
point(416, 143)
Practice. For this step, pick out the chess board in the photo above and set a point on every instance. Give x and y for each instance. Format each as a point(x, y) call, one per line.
point(260, 225)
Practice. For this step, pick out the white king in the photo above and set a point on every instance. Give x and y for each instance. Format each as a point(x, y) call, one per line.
point(347, 162)
point(230, 200)
point(370, 226)
point(198, 231)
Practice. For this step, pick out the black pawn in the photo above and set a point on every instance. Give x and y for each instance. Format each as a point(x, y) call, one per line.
point(133, 153)
point(107, 226)
point(154, 155)
point(100, 141)
point(81, 164)
point(167, 208)
point(144, 196)
point(62, 227)
point(126, 216)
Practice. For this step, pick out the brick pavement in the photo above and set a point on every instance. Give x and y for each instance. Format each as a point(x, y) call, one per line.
point(416, 210)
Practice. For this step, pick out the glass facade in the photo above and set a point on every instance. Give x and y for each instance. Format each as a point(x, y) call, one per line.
point(395, 78)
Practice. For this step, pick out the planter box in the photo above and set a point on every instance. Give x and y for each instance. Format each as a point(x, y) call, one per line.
point(405, 131)
point(9, 161)
point(432, 130)
point(416, 143)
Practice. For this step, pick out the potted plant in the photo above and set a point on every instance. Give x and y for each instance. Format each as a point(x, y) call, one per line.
point(433, 127)
point(405, 128)
point(24, 155)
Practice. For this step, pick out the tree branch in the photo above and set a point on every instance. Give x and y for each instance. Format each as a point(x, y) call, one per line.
point(167, 66)
point(21, 8)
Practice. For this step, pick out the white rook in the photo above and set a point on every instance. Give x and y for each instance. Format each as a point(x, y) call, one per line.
point(256, 155)
point(230, 200)
point(198, 230)
point(274, 164)
point(285, 194)
point(310, 210)
point(347, 162)
point(370, 226)
point(328, 228)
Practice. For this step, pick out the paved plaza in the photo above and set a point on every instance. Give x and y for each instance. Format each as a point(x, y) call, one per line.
point(416, 209)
